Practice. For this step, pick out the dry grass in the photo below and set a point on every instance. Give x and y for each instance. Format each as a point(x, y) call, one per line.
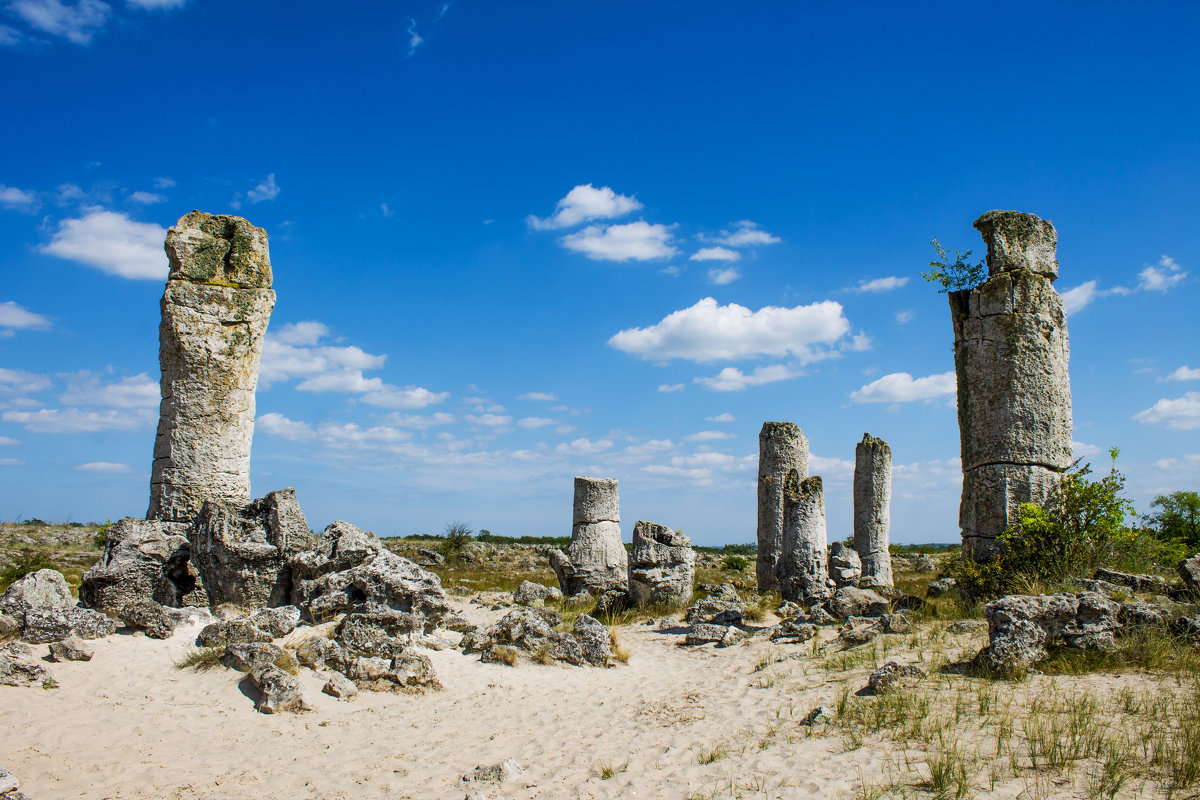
point(201, 659)
point(620, 651)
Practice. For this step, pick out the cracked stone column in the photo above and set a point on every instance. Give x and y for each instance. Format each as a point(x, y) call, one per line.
point(873, 509)
point(803, 559)
point(596, 560)
point(215, 310)
point(781, 449)
point(1014, 392)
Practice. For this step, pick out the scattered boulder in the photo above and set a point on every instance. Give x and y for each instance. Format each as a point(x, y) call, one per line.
point(1187, 628)
point(384, 633)
point(18, 667)
point(408, 672)
point(1189, 572)
point(148, 615)
point(845, 565)
point(820, 714)
point(243, 656)
point(792, 631)
point(233, 631)
point(9, 627)
point(506, 770)
point(70, 649)
point(1143, 615)
point(281, 692)
point(8, 782)
point(278, 622)
point(594, 640)
point(56, 623)
point(530, 593)
point(722, 606)
point(531, 631)
point(893, 676)
point(706, 633)
point(43, 589)
point(143, 560)
point(1021, 626)
point(940, 587)
point(858, 631)
point(1138, 583)
point(662, 565)
point(851, 602)
point(966, 626)
point(895, 623)
point(339, 686)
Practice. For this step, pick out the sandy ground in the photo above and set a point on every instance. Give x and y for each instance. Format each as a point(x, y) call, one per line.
point(128, 724)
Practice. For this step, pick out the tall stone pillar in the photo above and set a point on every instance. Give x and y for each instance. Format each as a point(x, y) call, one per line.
point(803, 558)
point(596, 561)
point(215, 309)
point(1014, 392)
point(781, 449)
point(873, 509)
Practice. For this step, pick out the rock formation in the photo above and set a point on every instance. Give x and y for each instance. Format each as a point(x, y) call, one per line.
point(873, 509)
point(845, 566)
point(215, 309)
point(802, 568)
point(781, 449)
point(596, 561)
point(1014, 393)
point(142, 560)
point(1021, 626)
point(662, 565)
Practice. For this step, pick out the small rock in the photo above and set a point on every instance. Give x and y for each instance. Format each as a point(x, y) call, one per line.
point(859, 630)
point(892, 675)
point(52, 624)
point(818, 714)
point(1143, 615)
point(8, 782)
point(703, 633)
point(529, 592)
point(17, 667)
point(244, 655)
point(731, 637)
point(70, 649)
point(506, 770)
point(280, 691)
point(278, 622)
point(148, 615)
point(593, 639)
point(845, 565)
point(792, 631)
point(1138, 583)
point(819, 616)
point(940, 587)
point(966, 626)
point(10, 628)
point(895, 623)
point(1187, 628)
point(851, 602)
point(234, 631)
point(340, 686)
point(1189, 572)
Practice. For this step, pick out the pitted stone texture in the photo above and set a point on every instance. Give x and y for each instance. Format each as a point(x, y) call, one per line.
point(1018, 241)
point(55, 623)
point(243, 553)
point(1011, 357)
point(280, 691)
point(45, 588)
point(873, 509)
point(781, 449)
point(1021, 626)
point(802, 568)
point(143, 560)
point(595, 561)
point(530, 593)
point(662, 564)
point(894, 676)
point(845, 566)
point(149, 616)
point(278, 622)
point(215, 310)
point(71, 648)
point(18, 666)
point(233, 631)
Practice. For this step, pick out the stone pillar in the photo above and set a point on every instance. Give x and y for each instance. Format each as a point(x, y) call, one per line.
point(1014, 392)
point(873, 509)
point(596, 561)
point(781, 449)
point(802, 567)
point(662, 565)
point(215, 310)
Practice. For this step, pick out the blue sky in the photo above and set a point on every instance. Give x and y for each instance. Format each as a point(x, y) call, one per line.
point(516, 242)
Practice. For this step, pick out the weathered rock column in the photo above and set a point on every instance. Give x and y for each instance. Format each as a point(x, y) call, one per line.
point(802, 567)
point(215, 310)
point(1014, 392)
point(873, 509)
point(596, 561)
point(781, 449)
point(662, 565)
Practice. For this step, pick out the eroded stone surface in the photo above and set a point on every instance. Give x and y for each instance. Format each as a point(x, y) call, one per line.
point(595, 561)
point(142, 560)
point(873, 509)
point(782, 448)
point(1021, 626)
point(845, 566)
point(802, 567)
point(662, 564)
point(215, 309)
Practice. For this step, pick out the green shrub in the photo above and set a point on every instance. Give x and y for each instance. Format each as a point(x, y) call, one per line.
point(1178, 518)
point(735, 563)
point(457, 538)
point(27, 561)
point(953, 275)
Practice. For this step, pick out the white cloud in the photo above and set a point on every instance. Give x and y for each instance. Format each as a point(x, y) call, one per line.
point(408, 397)
point(15, 381)
point(535, 422)
point(163, 183)
point(6, 441)
point(301, 334)
point(667, 388)
point(350, 381)
point(10, 462)
point(543, 396)
point(881, 284)
point(113, 243)
point(1082, 450)
point(720, 277)
point(421, 422)
point(640, 241)
point(74, 420)
point(726, 417)
point(732, 379)
point(1182, 413)
point(273, 424)
point(746, 234)
point(716, 254)
point(1162, 277)
point(9, 36)
point(266, 190)
point(830, 468)
point(1083, 294)
point(672, 270)
point(905, 316)
point(15, 199)
point(708, 331)
point(75, 22)
point(15, 318)
point(707, 436)
point(147, 198)
point(1184, 373)
point(350, 433)
point(155, 5)
point(583, 203)
point(900, 387)
point(102, 466)
point(583, 447)
point(86, 389)
point(489, 420)
point(414, 39)
point(1189, 461)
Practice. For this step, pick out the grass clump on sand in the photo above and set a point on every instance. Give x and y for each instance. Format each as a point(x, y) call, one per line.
point(201, 659)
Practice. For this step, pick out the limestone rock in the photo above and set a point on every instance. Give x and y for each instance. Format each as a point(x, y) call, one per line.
point(1187, 628)
point(1021, 626)
point(873, 509)
point(506, 770)
point(45, 588)
point(8, 782)
point(18, 667)
point(10, 628)
point(893, 676)
point(792, 631)
point(339, 686)
point(234, 631)
point(148, 615)
point(820, 714)
point(662, 565)
point(802, 567)
point(1014, 398)
point(845, 565)
point(383, 633)
point(278, 622)
point(851, 602)
point(705, 633)
point(215, 310)
point(143, 559)
point(595, 561)
point(529, 593)
point(55, 623)
point(281, 692)
point(1143, 615)
point(594, 640)
point(242, 553)
point(782, 448)
point(940, 587)
point(966, 626)
point(723, 606)
point(70, 649)
point(244, 655)
point(859, 630)
point(1189, 573)
point(1138, 583)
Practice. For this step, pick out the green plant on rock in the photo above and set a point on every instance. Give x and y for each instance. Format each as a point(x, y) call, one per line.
point(457, 539)
point(953, 275)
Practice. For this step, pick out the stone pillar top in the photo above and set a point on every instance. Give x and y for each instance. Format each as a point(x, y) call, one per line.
point(218, 249)
point(873, 441)
point(1016, 241)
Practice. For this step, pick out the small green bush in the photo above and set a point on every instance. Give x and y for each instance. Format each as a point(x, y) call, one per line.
point(735, 563)
point(457, 538)
point(27, 561)
point(953, 275)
